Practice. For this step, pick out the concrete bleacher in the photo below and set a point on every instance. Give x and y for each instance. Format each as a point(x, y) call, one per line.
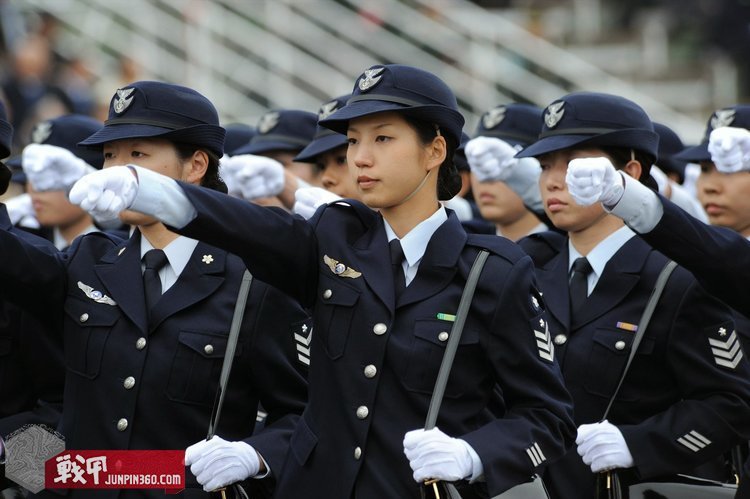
point(251, 55)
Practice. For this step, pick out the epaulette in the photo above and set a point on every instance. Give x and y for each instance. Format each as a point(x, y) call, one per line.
point(543, 246)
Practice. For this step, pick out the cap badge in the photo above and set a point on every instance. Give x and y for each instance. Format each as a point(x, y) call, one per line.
point(493, 117)
point(722, 118)
point(371, 78)
point(267, 122)
point(41, 132)
point(123, 99)
point(554, 114)
point(327, 109)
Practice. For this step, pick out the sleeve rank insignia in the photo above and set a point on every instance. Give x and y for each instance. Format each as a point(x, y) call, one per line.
point(95, 295)
point(340, 269)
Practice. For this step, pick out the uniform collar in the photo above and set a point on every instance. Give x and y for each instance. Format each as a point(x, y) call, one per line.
point(178, 252)
point(414, 243)
point(602, 252)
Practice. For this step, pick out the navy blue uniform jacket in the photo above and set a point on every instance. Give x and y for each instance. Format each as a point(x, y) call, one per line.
point(374, 362)
point(134, 386)
point(686, 397)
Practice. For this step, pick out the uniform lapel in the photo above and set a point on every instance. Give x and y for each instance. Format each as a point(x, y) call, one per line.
point(203, 275)
point(371, 255)
point(439, 263)
point(120, 272)
point(620, 275)
point(553, 281)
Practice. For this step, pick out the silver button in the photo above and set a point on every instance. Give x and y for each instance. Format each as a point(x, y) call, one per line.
point(380, 329)
point(620, 345)
point(129, 382)
point(560, 339)
point(140, 343)
point(362, 411)
point(122, 424)
point(209, 349)
point(327, 294)
point(84, 317)
point(357, 453)
point(443, 336)
point(370, 371)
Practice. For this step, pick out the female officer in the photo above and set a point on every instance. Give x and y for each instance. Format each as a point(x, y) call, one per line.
point(376, 349)
point(686, 398)
point(143, 373)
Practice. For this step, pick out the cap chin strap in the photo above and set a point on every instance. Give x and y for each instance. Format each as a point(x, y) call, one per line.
point(421, 184)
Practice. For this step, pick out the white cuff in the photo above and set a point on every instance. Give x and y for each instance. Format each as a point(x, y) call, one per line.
point(639, 206)
point(160, 196)
point(477, 469)
point(524, 181)
point(265, 464)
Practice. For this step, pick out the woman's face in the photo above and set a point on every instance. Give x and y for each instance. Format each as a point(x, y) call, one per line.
point(497, 202)
point(53, 209)
point(725, 197)
point(155, 154)
point(335, 173)
point(559, 205)
point(388, 160)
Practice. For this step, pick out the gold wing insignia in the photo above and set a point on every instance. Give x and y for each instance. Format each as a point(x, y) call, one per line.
point(95, 295)
point(340, 269)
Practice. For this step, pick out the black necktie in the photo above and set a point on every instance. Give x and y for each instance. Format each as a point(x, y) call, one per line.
point(154, 259)
point(579, 283)
point(397, 259)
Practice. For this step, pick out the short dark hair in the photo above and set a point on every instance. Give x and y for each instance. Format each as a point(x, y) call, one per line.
point(621, 156)
point(211, 179)
point(449, 181)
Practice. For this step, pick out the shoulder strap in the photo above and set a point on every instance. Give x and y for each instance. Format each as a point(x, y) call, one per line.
point(455, 337)
point(226, 367)
point(661, 281)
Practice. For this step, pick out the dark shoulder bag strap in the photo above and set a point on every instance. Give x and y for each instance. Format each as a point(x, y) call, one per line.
point(661, 282)
point(450, 349)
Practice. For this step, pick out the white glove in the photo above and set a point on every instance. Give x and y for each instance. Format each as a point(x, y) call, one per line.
point(433, 454)
point(592, 180)
point(21, 211)
point(309, 199)
point(730, 149)
point(662, 181)
point(490, 158)
point(602, 447)
point(105, 193)
point(250, 177)
point(217, 463)
point(52, 168)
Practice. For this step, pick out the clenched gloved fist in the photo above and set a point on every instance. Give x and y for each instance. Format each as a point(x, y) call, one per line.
point(21, 211)
point(433, 454)
point(602, 447)
point(52, 168)
point(309, 199)
point(592, 180)
point(105, 193)
point(730, 149)
point(490, 158)
point(217, 463)
point(251, 177)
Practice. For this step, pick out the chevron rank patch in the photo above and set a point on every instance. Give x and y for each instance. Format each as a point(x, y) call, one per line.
point(725, 347)
point(535, 454)
point(694, 441)
point(302, 338)
point(544, 343)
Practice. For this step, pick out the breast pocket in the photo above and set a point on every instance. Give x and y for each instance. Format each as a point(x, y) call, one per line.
point(426, 354)
point(87, 328)
point(196, 367)
point(335, 310)
point(609, 353)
